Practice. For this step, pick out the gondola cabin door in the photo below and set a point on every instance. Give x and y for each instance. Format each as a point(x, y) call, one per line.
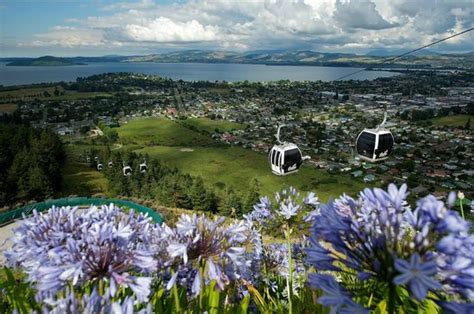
point(275, 161)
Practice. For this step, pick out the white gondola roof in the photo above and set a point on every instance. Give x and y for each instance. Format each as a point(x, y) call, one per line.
point(286, 146)
point(378, 131)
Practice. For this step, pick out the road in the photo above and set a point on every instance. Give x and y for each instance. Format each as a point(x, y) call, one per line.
point(179, 101)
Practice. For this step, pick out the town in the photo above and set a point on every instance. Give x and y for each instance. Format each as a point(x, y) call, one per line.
point(323, 118)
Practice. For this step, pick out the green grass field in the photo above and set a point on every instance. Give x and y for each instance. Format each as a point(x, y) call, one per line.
point(209, 125)
point(237, 167)
point(454, 121)
point(39, 93)
point(7, 108)
point(190, 152)
point(152, 132)
point(79, 177)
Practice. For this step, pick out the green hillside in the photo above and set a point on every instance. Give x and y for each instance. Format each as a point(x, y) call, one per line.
point(219, 165)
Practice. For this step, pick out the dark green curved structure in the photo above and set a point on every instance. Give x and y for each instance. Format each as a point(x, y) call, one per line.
point(76, 201)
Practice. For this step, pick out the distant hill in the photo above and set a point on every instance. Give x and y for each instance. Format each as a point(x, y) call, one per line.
point(395, 52)
point(44, 61)
point(375, 58)
point(426, 59)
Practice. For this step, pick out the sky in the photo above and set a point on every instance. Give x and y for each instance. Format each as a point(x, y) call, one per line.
point(102, 27)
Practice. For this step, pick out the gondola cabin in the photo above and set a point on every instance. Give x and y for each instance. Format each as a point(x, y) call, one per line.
point(143, 167)
point(100, 166)
point(374, 145)
point(285, 159)
point(127, 171)
point(110, 164)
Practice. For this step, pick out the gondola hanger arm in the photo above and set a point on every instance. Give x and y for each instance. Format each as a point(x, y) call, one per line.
point(384, 120)
point(278, 133)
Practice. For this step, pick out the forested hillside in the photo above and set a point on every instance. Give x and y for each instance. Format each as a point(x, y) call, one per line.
point(30, 163)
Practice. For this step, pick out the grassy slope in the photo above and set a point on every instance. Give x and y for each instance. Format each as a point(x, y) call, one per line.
point(7, 107)
point(455, 121)
point(161, 132)
point(210, 125)
point(233, 166)
point(79, 177)
point(38, 92)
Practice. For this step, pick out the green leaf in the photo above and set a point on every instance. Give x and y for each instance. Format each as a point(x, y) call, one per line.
point(244, 304)
point(214, 296)
point(381, 307)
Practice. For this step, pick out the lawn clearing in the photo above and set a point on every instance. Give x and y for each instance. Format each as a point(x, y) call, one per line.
point(79, 178)
point(152, 132)
point(222, 165)
point(237, 167)
point(210, 126)
point(459, 120)
point(9, 108)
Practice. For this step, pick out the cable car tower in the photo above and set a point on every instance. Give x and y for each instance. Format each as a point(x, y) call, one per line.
point(285, 158)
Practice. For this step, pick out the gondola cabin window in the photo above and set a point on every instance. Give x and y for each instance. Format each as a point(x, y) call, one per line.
point(385, 146)
point(366, 144)
point(292, 160)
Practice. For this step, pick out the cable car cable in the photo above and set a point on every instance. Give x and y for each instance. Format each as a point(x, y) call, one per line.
point(406, 53)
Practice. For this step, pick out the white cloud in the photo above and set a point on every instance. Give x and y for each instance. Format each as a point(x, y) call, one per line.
point(163, 29)
point(337, 25)
point(68, 37)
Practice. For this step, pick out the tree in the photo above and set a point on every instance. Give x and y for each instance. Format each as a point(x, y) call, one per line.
point(230, 204)
point(468, 124)
point(199, 196)
point(252, 197)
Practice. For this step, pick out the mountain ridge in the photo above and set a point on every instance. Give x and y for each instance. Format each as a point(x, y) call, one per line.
point(427, 59)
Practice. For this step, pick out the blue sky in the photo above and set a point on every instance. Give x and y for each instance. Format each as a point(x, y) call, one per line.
point(69, 28)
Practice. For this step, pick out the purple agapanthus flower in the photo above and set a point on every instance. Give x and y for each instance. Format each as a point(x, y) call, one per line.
point(380, 238)
point(65, 246)
point(199, 247)
point(334, 296)
point(418, 274)
point(288, 207)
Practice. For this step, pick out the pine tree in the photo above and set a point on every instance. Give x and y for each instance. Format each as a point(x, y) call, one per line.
point(39, 186)
point(230, 204)
point(199, 196)
point(252, 197)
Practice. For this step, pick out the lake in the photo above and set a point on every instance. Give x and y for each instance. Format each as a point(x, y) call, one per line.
point(16, 75)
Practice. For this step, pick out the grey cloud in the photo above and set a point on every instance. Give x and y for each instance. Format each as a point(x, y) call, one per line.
point(361, 14)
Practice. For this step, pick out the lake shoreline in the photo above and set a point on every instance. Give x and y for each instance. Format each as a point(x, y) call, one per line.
point(222, 72)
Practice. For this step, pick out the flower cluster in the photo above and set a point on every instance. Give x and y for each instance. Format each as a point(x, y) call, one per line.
point(289, 211)
point(378, 238)
point(286, 209)
point(69, 247)
point(276, 264)
point(199, 250)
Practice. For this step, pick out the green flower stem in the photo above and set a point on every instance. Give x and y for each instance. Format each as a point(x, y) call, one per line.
point(289, 279)
point(391, 298)
point(101, 287)
point(462, 210)
point(175, 294)
point(201, 294)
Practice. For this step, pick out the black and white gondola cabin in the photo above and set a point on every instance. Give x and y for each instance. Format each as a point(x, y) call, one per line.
point(143, 167)
point(375, 144)
point(127, 171)
point(285, 158)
